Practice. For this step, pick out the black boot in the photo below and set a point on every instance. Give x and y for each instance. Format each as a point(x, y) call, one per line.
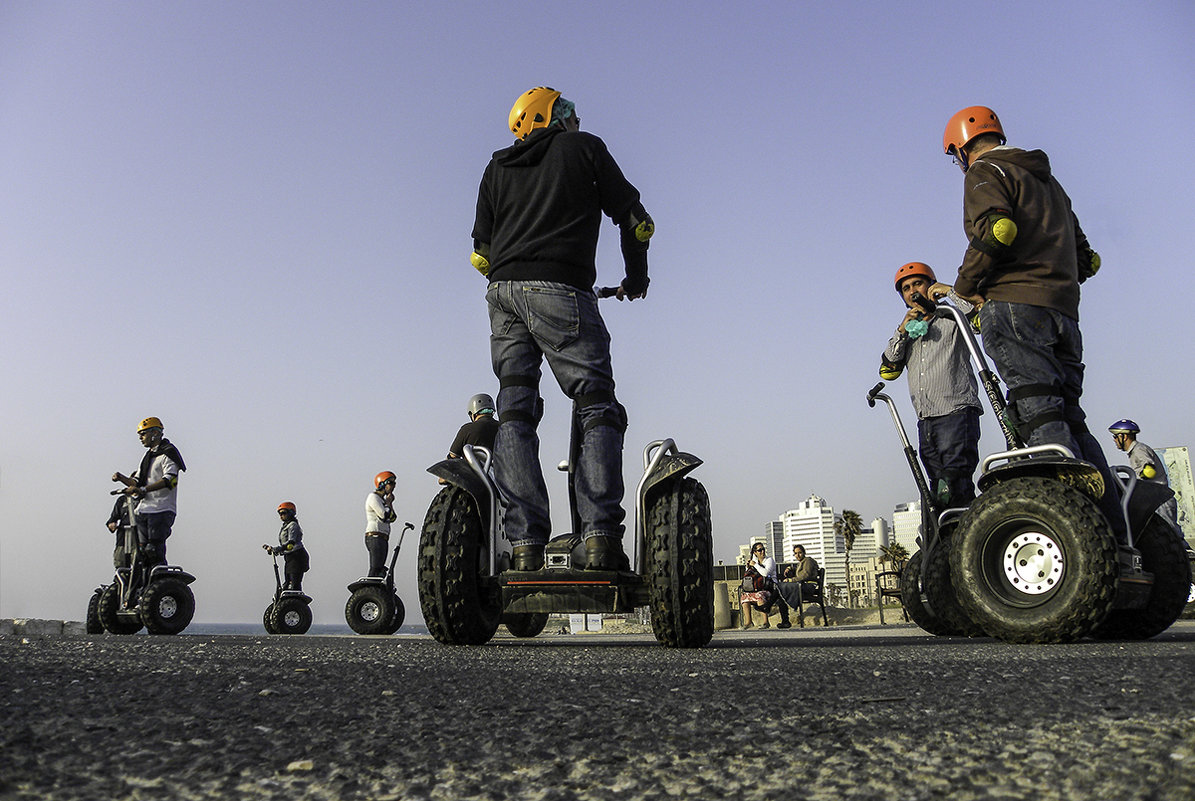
point(605, 553)
point(527, 558)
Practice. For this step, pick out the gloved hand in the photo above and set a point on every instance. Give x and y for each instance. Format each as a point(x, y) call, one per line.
point(1089, 264)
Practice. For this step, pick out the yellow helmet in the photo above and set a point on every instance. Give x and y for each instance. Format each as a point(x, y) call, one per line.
point(149, 422)
point(532, 110)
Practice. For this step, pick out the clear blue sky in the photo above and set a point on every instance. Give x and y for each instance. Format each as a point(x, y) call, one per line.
point(252, 220)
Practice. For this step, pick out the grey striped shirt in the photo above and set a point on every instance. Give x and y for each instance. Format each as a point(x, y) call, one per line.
point(938, 367)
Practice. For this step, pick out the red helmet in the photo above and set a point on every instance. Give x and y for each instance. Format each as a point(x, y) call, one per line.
point(287, 506)
point(382, 477)
point(915, 268)
point(968, 124)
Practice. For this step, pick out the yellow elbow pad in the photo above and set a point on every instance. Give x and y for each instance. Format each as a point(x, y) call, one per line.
point(889, 371)
point(480, 262)
point(644, 230)
point(1004, 231)
point(1148, 471)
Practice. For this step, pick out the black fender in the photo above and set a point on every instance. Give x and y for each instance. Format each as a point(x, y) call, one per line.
point(671, 467)
point(1145, 500)
point(170, 571)
point(1079, 474)
point(458, 473)
point(367, 581)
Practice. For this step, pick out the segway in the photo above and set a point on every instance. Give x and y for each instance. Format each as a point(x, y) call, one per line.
point(161, 601)
point(467, 587)
point(290, 610)
point(1034, 560)
point(373, 606)
point(926, 591)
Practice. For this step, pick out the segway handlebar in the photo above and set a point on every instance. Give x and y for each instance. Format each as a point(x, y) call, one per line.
point(605, 291)
point(991, 384)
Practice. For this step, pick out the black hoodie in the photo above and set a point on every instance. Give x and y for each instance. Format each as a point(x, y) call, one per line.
point(1040, 268)
point(540, 204)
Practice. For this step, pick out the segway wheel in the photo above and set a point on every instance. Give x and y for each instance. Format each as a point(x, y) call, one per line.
point(266, 619)
point(94, 626)
point(400, 614)
point(941, 595)
point(528, 624)
point(1034, 561)
point(910, 597)
point(107, 610)
point(290, 616)
point(459, 600)
point(1163, 553)
point(167, 606)
point(370, 609)
point(679, 565)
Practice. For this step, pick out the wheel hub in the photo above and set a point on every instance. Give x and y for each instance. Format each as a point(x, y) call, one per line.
point(370, 612)
point(167, 607)
point(291, 619)
point(1033, 563)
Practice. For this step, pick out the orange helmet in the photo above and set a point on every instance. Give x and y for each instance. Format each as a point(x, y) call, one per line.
point(968, 124)
point(915, 268)
point(287, 506)
point(532, 110)
point(382, 477)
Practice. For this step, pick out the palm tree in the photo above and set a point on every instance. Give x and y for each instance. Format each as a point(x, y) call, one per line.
point(895, 553)
point(848, 526)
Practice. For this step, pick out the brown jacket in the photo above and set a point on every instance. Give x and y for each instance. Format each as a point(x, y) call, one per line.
point(1041, 267)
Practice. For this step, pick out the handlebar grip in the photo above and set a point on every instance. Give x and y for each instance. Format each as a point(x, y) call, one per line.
point(925, 303)
point(871, 396)
point(606, 291)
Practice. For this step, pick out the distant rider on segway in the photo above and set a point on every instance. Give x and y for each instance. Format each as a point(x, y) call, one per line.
point(155, 487)
point(481, 429)
point(290, 547)
point(1022, 269)
point(1145, 462)
point(535, 236)
point(379, 514)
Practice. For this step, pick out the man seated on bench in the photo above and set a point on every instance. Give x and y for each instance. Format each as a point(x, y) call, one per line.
point(800, 579)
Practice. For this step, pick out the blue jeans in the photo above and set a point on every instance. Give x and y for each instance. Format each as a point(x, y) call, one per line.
point(530, 321)
point(1033, 346)
point(949, 446)
point(152, 530)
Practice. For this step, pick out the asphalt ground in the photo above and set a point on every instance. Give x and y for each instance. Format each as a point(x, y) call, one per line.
point(858, 713)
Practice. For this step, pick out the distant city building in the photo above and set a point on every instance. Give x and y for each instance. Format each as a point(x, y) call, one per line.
point(882, 532)
point(906, 525)
point(810, 524)
point(774, 541)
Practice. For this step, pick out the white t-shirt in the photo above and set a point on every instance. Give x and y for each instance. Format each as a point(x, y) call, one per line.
point(160, 500)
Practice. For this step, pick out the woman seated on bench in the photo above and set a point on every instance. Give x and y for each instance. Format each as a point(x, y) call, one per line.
point(765, 589)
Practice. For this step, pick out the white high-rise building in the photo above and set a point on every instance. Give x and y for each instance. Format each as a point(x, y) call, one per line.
point(811, 524)
point(906, 525)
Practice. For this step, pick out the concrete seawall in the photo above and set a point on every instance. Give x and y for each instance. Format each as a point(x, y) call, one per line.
point(36, 627)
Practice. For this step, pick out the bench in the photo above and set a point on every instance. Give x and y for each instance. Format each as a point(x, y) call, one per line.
point(888, 586)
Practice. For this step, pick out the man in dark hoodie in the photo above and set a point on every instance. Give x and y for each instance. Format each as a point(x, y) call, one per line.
point(1023, 267)
point(155, 486)
point(535, 237)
